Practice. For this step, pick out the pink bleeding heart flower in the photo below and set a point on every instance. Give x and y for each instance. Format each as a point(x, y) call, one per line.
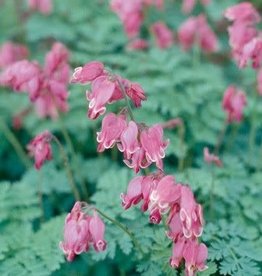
point(57, 63)
point(22, 76)
point(186, 33)
point(43, 6)
point(163, 35)
point(133, 90)
point(112, 128)
point(195, 30)
point(190, 214)
point(129, 140)
point(137, 44)
point(89, 72)
point(239, 36)
point(11, 53)
point(101, 92)
point(76, 232)
point(207, 39)
point(97, 231)
point(134, 192)
point(174, 224)
point(243, 12)
point(166, 193)
point(252, 51)
point(154, 145)
point(40, 148)
point(211, 158)
point(177, 252)
point(130, 14)
point(195, 256)
point(233, 103)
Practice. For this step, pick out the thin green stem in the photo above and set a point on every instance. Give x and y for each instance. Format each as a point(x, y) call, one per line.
point(11, 138)
point(221, 137)
point(124, 228)
point(252, 133)
point(122, 88)
point(211, 196)
point(72, 151)
point(181, 160)
point(68, 169)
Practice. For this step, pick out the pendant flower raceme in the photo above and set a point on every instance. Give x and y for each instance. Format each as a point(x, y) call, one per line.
point(80, 231)
point(211, 158)
point(142, 145)
point(47, 86)
point(195, 30)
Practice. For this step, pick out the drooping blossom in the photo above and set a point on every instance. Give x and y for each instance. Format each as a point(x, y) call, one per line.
point(130, 14)
point(137, 44)
point(43, 6)
point(163, 35)
point(233, 103)
point(11, 53)
point(134, 192)
point(129, 140)
point(80, 231)
point(154, 145)
point(190, 213)
point(23, 76)
point(177, 252)
point(97, 231)
point(211, 158)
point(252, 51)
point(195, 30)
point(188, 5)
point(112, 129)
point(243, 12)
point(195, 255)
point(88, 72)
point(40, 148)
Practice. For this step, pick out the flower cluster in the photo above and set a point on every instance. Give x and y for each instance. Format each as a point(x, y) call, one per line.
point(43, 6)
point(40, 148)
point(141, 146)
point(11, 53)
point(81, 230)
point(161, 195)
point(47, 86)
point(188, 5)
point(106, 88)
point(195, 30)
point(233, 103)
point(132, 13)
point(244, 39)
